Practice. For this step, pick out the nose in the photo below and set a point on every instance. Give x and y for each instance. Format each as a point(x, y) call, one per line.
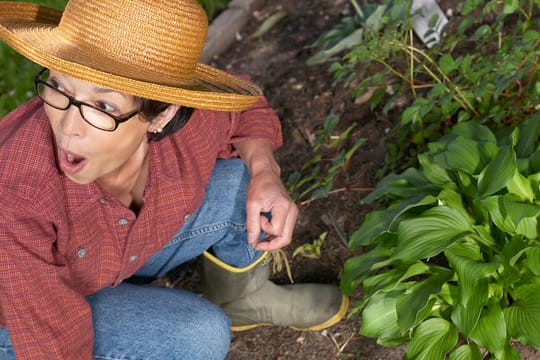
point(71, 122)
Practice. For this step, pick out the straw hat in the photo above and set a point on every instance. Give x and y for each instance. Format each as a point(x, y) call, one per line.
point(147, 48)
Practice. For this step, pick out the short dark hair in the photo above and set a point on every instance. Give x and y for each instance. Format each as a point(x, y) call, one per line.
point(151, 108)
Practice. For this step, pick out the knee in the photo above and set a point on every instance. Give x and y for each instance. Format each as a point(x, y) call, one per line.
point(210, 334)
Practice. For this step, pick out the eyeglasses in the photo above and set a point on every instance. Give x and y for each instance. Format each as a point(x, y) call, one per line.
point(94, 116)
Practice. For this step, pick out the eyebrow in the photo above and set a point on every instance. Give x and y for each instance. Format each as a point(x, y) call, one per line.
point(101, 90)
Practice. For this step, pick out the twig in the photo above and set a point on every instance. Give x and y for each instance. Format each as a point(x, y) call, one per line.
point(340, 232)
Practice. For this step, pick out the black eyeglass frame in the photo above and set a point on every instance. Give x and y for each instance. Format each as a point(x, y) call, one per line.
point(72, 101)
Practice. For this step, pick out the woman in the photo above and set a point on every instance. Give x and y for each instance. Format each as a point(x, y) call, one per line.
point(124, 165)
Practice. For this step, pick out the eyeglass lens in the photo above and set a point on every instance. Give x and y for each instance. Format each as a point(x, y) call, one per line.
point(61, 101)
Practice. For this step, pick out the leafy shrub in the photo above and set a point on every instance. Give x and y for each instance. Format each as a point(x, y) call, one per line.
point(485, 69)
point(450, 262)
point(453, 261)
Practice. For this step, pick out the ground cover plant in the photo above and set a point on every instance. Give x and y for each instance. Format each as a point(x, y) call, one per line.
point(449, 263)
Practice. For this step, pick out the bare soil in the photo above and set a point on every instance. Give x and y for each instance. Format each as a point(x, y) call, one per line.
point(303, 97)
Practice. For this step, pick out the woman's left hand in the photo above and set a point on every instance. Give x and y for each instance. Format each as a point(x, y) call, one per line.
point(266, 195)
point(269, 207)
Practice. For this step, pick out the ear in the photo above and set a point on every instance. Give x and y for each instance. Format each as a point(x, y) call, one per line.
point(162, 119)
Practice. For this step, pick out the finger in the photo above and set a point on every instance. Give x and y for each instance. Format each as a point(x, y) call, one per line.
point(275, 225)
point(253, 223)
point(273, 242)
point(290, 222)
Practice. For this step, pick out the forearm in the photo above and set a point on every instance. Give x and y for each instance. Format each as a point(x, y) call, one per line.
point(258, 156)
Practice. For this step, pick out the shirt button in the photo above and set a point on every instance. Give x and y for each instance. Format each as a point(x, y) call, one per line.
point(81, 252)
point(132, 258)
point(187, 217)
point(123, 221)
point(103, 201)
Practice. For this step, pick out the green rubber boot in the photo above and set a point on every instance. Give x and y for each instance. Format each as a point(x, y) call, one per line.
point(250, 299)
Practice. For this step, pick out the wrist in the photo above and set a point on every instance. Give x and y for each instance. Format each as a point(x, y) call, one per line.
point(260, 163)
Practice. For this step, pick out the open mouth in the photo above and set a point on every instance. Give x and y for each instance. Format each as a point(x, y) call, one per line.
point(73, 159)
point(70, 162)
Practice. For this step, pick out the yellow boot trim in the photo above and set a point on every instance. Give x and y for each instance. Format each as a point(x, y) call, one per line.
point(233, 269)
point(333, 320)
point(328, 323)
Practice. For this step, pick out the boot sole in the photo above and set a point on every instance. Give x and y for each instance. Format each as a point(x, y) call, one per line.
point(330, 322)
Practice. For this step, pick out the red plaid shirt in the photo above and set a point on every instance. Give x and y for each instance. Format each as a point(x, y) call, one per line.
point(61, 241)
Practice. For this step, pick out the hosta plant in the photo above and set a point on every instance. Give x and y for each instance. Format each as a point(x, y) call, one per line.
point(451, 264)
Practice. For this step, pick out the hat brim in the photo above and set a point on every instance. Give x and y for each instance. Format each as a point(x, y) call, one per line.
point(30, 30)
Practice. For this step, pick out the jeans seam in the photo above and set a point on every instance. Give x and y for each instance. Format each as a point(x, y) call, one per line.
point(206, 230)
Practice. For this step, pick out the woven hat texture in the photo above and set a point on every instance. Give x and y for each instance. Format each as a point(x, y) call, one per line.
point(146, 48)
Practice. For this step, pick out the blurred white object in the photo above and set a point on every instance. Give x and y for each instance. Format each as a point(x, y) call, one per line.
point(428, 13)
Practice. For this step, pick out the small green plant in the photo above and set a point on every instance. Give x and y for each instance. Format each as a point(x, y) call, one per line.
point(452, 262)
point(315, 180)
point(313, 250)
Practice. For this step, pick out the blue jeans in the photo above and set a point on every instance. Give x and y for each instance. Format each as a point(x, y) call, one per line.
point(149, 322)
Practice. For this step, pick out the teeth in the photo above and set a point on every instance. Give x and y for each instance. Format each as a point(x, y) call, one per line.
point(70, 158)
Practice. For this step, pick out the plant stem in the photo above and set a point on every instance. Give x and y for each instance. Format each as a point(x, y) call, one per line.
point(347, 188)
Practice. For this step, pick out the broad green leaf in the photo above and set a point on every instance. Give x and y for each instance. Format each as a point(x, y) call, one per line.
point(465, 317)
point(519, 210)
point(499, 215)
point(379, 223)
point(383, 281)
point(431, 340)
point(451, 198)
point(491, 330)
point(523, 316)
point(407, 184)
point(507, 214)
point(475, 131)
point(484, 236)
point(375, 223)
point(521, 187)
point(498, 173)
point(528, 228)
point(379, 318)
point(510, 353)
point(450, 294)
point(466, 352)
point(528, 136)
point(533, 260)
point(356, 269)
point(416, 269)
point(412, 304)
point(433, 171)
point(430, 233)
point(468, 266)
point(460, 154)
point(472, 284)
